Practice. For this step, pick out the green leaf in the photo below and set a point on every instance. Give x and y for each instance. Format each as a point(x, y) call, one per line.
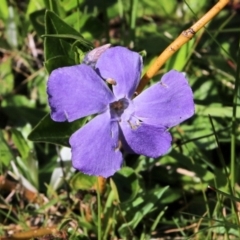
point(167, 9)
point(125, 184)
point(55, 132)
point(28, 169)
point(6, 76)
point(193, 8)
point(228, 195)
point(160, 8)
point(59, 37)
point(25, 115)
point(55, 7)
point(215, 110)
point(17, 100)
point(20, 143)
point(58, 61)
point(37, 20)
point(141, 207)
point(20, 106)
point(82, 181)
point(200, 169)
point(12, 28)
point(69, 37)
point(69, 5)
point(5, 152)
point(34, 5)
point(4, 10)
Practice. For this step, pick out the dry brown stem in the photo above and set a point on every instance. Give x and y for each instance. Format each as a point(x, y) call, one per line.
point(183, 38)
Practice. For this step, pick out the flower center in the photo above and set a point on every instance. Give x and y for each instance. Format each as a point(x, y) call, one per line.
point(117, 108)
point(123, 111)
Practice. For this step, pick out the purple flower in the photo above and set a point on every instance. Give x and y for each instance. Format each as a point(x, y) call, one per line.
point(139, 125)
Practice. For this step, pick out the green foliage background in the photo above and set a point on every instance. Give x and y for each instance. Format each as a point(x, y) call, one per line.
point(148, 198)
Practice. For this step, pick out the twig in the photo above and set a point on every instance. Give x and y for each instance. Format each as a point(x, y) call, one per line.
point(8, 185)
point(183, 38)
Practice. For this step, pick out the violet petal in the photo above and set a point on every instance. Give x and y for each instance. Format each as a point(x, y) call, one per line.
point(149, 140)
point(124, 67)
point(167, 103)
point(95, 149)
point(76, 92)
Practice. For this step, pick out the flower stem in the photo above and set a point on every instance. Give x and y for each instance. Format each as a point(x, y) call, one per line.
point(183, 38)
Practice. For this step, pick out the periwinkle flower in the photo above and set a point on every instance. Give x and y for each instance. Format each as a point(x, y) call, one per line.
point(138, 125)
